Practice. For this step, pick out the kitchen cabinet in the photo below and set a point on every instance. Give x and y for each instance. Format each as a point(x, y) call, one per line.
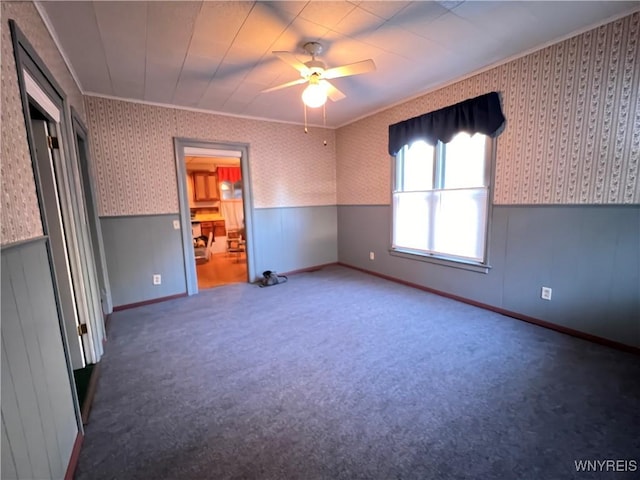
point(219, 229)
point(205, 186)
point(206, 228)
point(216, 226)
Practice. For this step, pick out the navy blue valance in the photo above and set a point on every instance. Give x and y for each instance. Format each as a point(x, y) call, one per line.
point(482, 114)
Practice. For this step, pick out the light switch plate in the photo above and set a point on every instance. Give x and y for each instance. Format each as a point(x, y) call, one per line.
point(176, 224)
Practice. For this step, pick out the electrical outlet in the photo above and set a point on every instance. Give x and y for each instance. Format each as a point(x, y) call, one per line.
point(157, 279)
point(372, 256)
point(545, 294)
point(176, 224)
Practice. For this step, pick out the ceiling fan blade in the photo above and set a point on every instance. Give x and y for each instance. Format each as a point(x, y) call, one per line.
point(291, 59)
point(332, 92)
point(351, 69)
point(285, 85)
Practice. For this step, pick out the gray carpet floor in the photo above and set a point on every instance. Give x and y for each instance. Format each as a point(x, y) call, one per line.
point(341, 375)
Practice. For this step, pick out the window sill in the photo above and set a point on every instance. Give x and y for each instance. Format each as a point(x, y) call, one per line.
point(446, 262)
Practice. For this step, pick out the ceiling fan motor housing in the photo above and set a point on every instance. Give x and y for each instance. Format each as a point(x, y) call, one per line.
point(313, 48)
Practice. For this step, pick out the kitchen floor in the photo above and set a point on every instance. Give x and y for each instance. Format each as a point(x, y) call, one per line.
point(222, 269)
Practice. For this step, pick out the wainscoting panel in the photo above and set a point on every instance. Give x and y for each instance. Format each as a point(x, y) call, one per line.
point(288, 239)
point(588, 255)
point(136, 248)
point(368, 228)
point(39, 423)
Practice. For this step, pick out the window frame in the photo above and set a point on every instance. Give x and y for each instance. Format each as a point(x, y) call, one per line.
point(442, 259)
point(233, 189)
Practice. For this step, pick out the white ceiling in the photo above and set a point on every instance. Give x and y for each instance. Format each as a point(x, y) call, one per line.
point(216, 56)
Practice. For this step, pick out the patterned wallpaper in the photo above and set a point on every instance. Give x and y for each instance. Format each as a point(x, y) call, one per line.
point(132, 151)
point(573, 125)
point(572, 135)
point(20, 218)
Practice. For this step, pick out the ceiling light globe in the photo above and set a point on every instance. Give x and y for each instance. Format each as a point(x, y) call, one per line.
point(314, 96)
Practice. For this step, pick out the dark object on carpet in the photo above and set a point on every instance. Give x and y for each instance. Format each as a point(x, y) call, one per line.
point(270, 278)
point(343, 375)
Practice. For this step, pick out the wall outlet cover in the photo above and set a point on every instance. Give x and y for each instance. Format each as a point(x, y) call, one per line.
point(157, 279)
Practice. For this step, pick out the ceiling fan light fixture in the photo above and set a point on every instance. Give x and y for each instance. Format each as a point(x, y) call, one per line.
point(315, 95)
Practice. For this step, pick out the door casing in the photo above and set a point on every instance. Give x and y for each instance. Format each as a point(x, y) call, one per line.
point(185, 216)
point(39, 90)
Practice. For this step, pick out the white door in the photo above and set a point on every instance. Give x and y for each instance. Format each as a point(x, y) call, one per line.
point(77, 295)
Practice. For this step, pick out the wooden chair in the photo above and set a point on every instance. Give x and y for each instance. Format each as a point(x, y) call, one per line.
point(236, 243)
point(203, 253)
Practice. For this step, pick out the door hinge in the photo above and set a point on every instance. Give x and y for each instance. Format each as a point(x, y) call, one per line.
point(82, 329)
point(53, 142)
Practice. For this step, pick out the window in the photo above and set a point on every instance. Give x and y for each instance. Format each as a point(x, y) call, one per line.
point(441, 198)
point(231, 190)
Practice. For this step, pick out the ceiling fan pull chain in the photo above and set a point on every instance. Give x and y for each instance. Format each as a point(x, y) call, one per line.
point(305, 117)
point(324, 122)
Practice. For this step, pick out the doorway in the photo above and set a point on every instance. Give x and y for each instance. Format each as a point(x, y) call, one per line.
point(60, 206)
point(216, 205)
point(216, 212)
point(54, 221)
point(62, 209)
point(75, 282)
point(94, 240)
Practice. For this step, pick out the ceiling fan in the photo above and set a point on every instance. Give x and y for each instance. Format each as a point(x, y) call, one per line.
point(318, 75)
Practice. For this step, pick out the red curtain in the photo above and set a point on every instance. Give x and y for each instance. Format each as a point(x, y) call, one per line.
point(229, 174)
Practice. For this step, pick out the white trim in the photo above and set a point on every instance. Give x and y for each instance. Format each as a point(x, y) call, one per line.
point(40, 97)
point(201, 110)
point(47, 23)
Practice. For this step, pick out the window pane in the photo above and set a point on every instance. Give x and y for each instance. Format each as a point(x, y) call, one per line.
point(441, 199)
point(459, 223)
point(237, 190)
point(415, 168)
point(226, 190)
point(411, 220)
point(465, 161)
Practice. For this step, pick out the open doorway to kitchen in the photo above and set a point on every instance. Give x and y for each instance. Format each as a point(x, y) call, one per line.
point(215, 211)
point(214, 188)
